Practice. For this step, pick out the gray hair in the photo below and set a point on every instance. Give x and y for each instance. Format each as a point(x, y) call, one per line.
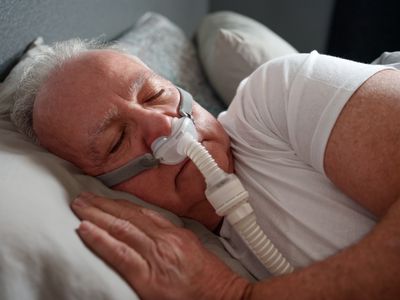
point(35, 73)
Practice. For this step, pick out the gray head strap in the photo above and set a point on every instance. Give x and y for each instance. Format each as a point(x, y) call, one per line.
point(185, 105)
point(146, 161)
point(132, 168)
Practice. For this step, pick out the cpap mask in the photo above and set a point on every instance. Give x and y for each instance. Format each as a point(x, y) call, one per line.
point(224, 191)
point(164, 148)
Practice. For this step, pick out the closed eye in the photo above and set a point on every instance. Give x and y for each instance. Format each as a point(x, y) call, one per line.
point(155, 96)
point(116, 146)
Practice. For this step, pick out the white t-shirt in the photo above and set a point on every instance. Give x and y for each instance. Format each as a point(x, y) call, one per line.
point(279, 123)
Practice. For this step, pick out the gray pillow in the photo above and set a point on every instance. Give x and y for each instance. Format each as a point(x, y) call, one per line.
point(389, 58)
point(232, 46)
point(164, 47)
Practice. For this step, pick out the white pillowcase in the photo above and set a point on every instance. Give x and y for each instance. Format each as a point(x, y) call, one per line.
point(41, 256)
point(232, 46)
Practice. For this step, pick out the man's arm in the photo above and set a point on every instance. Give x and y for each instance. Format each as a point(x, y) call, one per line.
point(363, 159)
point(363, 152)
point(161, 261)
point(368, 270)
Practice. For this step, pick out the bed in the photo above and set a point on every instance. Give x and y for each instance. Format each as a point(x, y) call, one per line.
point(41, 256)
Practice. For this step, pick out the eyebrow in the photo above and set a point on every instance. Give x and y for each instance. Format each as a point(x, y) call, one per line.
point(110, 115)
point(138, 84)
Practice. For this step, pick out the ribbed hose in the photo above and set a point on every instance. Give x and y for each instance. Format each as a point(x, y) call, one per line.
point(230, 200)
point(204, 161)
point(262, 247)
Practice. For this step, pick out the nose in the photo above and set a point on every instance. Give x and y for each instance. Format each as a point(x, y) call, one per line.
point(151, 124)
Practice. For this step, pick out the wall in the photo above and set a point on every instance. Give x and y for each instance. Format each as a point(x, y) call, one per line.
point(304, 24)
point(22, 21)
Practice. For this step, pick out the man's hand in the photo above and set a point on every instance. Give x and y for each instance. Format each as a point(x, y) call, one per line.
point(162, 261)
point(158, 259)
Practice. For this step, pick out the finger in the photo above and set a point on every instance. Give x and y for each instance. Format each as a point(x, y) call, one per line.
point(125, 260)
point(126, 210)
point(121, 229)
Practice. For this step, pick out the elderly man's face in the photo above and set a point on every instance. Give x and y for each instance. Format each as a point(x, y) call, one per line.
point(105, 108)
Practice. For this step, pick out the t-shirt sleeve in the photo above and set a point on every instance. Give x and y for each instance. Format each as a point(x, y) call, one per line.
point(297, 99)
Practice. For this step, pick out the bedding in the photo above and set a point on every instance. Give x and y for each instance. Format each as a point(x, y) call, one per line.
point(389, 58)
point(41, 256)
point(231, 46)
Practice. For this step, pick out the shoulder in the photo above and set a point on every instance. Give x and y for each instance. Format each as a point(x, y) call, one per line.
point(362, 155)
point(260, 99)
point(274, 80)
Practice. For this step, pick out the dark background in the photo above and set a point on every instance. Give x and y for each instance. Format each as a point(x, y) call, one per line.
point(363, 29)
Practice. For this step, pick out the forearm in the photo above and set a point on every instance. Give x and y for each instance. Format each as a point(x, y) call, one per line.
point(368, 270)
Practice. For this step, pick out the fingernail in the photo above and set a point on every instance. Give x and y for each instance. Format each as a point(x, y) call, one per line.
point(85, 227)
point(80, 202)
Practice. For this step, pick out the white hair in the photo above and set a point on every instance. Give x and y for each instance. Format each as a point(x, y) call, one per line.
point(35, 73)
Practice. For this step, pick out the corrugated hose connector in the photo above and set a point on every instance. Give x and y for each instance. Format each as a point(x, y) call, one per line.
point(230, 200)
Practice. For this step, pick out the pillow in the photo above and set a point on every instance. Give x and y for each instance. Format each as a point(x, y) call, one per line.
point(388, 58)
point(232, 46)
point(9, 84)
point(41, 256)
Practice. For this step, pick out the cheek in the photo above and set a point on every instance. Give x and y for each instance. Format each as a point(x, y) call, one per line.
point(191, 184)
point(154, 188)
point(158, 188)
point(143, 187)
point(208, 126)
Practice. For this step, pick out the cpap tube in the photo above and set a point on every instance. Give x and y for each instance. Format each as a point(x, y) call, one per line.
point(224, 191)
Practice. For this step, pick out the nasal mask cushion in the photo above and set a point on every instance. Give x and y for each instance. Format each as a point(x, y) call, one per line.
point(165, 148)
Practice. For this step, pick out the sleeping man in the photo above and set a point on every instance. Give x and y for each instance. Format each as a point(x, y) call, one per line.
point(314, 139)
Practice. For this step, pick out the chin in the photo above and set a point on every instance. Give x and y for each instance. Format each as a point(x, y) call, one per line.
point(204, 213)
point(221, 154)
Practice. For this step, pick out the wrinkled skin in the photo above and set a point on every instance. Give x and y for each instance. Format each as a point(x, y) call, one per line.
point(149, 251)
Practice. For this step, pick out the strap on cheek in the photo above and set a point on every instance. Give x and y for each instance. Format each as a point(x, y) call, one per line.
point(132, 168)
point(186, 104)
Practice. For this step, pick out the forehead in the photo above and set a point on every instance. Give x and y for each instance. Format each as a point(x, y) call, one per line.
point(94, 80)
point(103, 69)
point(91, 74)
